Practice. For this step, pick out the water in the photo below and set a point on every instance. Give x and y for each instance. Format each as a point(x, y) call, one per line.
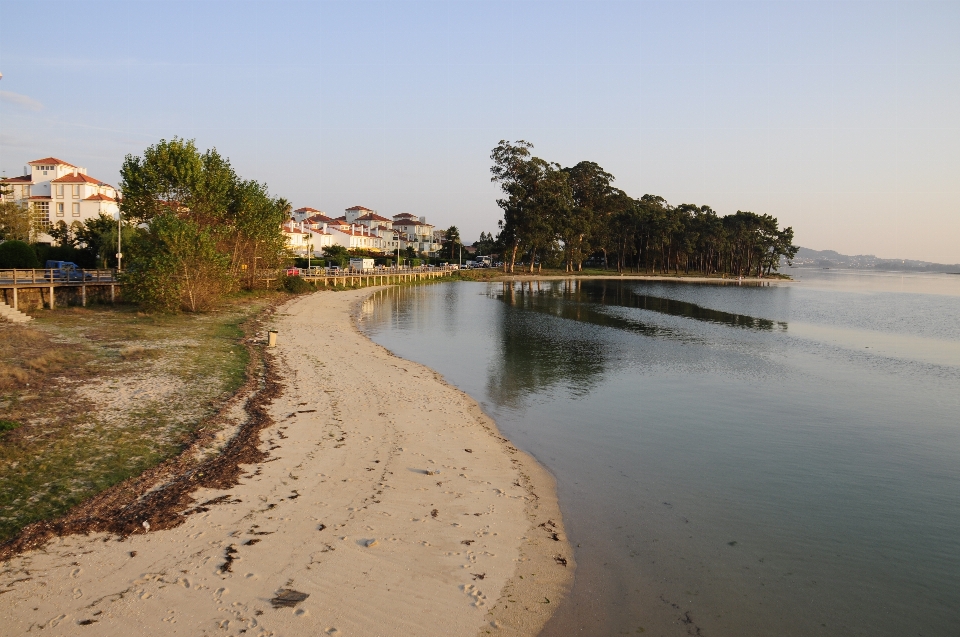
point(730, 460)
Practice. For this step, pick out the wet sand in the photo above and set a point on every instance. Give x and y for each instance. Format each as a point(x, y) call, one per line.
point(387, 504)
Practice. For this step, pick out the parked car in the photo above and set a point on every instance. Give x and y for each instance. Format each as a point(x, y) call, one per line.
point(65, 271)
point(334, 269)
point(292, 272)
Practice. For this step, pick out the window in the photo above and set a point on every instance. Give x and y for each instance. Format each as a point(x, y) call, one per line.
point(26, 191)
point(60, 191)
point(41, 214)
point(76, 191)
point(60, 209)
point(76, 210)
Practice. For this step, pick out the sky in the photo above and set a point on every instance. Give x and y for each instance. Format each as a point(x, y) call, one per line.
point(842, 119)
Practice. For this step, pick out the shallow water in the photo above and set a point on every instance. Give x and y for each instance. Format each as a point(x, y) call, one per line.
point(733, 460)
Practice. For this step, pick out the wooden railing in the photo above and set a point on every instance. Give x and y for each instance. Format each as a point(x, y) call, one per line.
point(22, 276)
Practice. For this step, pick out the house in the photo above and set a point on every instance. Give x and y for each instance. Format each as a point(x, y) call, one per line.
point(303, 213)
point(416, 232)
point(59, 192)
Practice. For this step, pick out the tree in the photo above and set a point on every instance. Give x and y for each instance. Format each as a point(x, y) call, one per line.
point(578, 211)
point(237, 217)
point(485, 245)
point(537, 194)
point(451, 246)
point(336, 254)
point(15, 221)
point(17, 254)
point(178, 267)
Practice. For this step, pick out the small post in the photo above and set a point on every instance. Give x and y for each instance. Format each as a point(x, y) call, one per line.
point(272, 338)
point(15, 298)
point(51, 297)
point(83, 295)
point(113, 297)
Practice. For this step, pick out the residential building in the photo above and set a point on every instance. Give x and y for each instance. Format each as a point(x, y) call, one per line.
point(416, 232)
point(59, 192)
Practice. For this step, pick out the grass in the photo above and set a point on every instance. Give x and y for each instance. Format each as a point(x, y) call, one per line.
point(93, 396)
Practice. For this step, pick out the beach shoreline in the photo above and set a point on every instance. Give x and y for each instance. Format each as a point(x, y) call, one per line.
point(387, 504)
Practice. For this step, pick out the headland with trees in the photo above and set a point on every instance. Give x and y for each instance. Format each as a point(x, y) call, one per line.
point(565, 216)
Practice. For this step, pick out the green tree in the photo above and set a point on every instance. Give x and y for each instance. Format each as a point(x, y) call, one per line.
point(178, 267)
point(337, 254)
point(17, 254)
point(237, 217)
point(15, 221)
point(452, 245)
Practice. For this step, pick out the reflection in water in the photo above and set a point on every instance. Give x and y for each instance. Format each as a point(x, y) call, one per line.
point(577, 300)
point(533, 358)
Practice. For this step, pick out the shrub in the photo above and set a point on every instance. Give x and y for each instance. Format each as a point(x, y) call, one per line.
point(296, 285)
point(17, 254)
point(176, 266)
point(8, 425)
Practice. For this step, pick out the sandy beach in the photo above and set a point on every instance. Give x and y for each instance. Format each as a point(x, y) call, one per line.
point(387, 504)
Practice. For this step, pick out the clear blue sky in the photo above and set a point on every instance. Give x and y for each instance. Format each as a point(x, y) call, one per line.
point(840, 118)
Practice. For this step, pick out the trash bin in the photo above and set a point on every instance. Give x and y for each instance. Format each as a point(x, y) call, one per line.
point(272, 338)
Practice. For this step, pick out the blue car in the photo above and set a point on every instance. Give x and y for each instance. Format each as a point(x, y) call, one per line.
point(65, 271)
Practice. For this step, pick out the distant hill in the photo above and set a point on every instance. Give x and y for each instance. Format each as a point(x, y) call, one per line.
point(807, 258)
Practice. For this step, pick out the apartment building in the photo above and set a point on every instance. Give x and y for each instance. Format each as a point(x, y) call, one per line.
point(59, 192)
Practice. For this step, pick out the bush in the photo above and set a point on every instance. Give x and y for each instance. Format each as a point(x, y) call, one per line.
point(176, 266)
point(17, 254)
point(8, 425)
point(296, 285)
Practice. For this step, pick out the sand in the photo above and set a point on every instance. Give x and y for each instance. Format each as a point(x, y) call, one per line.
point(388, 504)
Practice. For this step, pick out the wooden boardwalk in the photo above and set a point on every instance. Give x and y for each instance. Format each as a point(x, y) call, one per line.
point(19, 279)
point(376, 277)
point(48, 281)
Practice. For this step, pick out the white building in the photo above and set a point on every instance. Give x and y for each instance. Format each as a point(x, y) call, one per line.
point(416, 232)
point(58, 192)
point(360, 228)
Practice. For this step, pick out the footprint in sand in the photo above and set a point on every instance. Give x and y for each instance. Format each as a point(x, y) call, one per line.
point(56, 621)
point(479, 599)
point(76, 572)
point(144, 595)
point(77, 593)
point(332, 631)
point(183, 581)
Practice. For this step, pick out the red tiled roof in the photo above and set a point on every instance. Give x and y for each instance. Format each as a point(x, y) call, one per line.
point(372, 217)
point(409, 222)
point(360, 208)
point(22, 178)
point(320, 218)
point(79, 178)
point(409, 215)
point(307, 210)
point(50, 160)
point(99, 197)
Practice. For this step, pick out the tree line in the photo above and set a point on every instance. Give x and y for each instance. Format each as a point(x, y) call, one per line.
point(568, 215)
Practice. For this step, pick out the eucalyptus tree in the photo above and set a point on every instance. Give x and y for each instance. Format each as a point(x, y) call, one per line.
point(537, 194)
point(592, 193)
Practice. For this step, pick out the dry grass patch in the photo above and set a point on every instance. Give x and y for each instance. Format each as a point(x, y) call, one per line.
point(100, 394)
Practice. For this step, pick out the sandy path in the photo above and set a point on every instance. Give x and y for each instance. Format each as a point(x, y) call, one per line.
point(388, 498)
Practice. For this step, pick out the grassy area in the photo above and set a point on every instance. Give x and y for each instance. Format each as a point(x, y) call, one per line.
point(92, 396)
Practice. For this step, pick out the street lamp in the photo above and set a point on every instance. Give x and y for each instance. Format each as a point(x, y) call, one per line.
point(119, 234)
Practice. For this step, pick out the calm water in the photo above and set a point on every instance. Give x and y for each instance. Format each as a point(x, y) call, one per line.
point(778, 460)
